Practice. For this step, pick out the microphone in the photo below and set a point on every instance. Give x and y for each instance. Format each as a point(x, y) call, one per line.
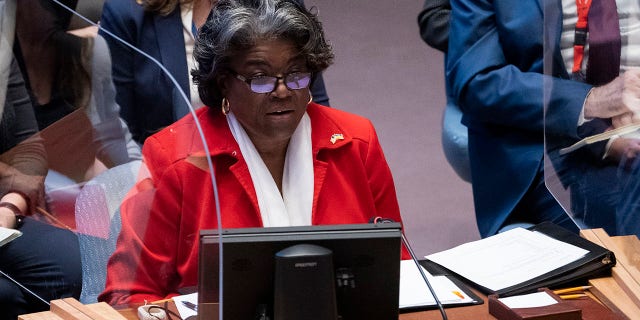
point(405, 242)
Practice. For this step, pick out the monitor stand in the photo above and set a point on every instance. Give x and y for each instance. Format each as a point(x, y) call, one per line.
point(304, 284)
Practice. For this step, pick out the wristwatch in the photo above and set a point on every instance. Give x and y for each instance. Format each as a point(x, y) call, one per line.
point(16, 211)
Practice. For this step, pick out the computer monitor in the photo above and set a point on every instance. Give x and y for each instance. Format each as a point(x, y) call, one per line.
point(366, 265)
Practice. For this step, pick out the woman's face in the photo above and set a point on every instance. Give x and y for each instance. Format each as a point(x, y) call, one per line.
point(268, 118)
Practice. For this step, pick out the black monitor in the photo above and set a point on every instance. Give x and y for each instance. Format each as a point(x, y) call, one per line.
point(366, 270)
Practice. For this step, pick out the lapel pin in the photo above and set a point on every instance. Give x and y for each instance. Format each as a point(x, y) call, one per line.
point(336, 136)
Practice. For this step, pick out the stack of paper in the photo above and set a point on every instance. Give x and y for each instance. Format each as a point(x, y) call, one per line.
point(508, 258)
point(521, 260)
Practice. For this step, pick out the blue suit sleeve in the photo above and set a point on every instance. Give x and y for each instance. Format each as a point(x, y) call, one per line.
point(495, 67)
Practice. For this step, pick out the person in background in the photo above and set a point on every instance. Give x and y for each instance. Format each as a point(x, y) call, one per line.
point(45, 259)
point(279, 158)
point(495, 72)
point(433, 21)
point(165, 30)
point(600, 179)
point(68, 77)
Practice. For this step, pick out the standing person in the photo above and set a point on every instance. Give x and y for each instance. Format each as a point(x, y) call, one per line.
point(281, 159)
point(495, 72)
point(166, 30)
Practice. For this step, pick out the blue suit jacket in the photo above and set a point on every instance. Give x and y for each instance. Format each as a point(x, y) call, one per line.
point(495, 71)
point(148, 99)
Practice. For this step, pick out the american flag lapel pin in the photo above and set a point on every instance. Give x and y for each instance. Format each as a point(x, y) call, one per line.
point(336, 136)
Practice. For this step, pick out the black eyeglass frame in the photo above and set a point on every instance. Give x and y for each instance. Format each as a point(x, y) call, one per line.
point(248, 81)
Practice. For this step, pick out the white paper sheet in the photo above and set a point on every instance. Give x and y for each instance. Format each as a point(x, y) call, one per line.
point(532, 300)
point(508, 258)
point(415, 293)
point(7, 235)
point(185, 311)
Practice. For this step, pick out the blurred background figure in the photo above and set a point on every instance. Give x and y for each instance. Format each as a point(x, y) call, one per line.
point(68, 77)
point(59, 121)
point(591, 46)
point(44, 262)
point(506, 67)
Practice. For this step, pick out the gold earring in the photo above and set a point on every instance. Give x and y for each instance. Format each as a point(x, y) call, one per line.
point(226, 107)
point(310, 97)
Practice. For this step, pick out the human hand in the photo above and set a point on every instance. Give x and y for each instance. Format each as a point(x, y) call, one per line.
point(624, 149)
point(619, 99)
point(86, 32)
point(7, 218)
point(625, 119)
point(97, 168)
point(31, 186)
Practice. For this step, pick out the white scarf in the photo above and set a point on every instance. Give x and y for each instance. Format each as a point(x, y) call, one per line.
point(293, 208)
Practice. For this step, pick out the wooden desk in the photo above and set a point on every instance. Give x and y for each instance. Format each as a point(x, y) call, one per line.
point(476, 312)
point(627, 251)
point(479, 312)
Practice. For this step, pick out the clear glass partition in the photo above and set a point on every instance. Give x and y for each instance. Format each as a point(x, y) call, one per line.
point(76, 91)
point(591, 163)
point(82, 89)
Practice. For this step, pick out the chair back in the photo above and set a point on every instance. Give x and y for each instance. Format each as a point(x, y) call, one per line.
point(455, 141)
point(97, 213)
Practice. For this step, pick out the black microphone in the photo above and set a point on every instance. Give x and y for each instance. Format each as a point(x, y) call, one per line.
point(405, 242)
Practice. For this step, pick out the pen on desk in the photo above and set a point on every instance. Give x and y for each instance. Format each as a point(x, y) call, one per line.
point(190, 305)
point(572, 296)
point(161, 301)
point(569, 290)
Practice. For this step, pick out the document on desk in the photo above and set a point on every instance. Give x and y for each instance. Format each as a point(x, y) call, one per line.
point(508, 259)
point(7, 235)
point(415, 293)
point(187, 305)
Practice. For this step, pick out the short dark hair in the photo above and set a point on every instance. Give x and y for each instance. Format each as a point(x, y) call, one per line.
point(237, 25)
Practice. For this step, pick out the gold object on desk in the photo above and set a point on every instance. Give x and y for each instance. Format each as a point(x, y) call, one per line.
point(571, 290)
point(572, 296)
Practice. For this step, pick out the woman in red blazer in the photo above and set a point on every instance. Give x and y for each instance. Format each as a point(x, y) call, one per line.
point(279, 159)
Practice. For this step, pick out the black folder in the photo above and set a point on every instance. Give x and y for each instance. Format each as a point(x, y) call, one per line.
point(596, 263)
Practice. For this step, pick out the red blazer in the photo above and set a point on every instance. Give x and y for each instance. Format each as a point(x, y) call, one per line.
point(157, 250)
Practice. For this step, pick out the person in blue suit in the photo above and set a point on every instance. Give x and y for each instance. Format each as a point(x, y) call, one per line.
point(163, 29)
point(495, 70)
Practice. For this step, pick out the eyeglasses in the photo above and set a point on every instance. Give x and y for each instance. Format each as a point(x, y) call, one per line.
point(267, 84)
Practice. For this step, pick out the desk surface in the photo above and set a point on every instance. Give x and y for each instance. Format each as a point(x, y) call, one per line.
point(626, 252)
point(479, 312)
point(476, 312)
